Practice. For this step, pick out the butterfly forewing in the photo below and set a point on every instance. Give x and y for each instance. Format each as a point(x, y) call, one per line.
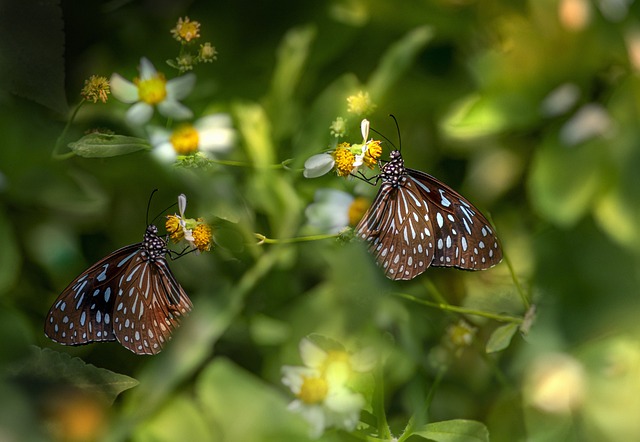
point(417, 221)
point(130, 296)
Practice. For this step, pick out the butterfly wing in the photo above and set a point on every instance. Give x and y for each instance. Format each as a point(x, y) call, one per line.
point(148, 305)
point(424, 222)
point(462, 236)
point(83, 311)
point(398, 230)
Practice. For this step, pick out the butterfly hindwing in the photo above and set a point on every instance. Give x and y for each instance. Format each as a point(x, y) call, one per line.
point(463, 237)
point(83, 311)
point(146, 311)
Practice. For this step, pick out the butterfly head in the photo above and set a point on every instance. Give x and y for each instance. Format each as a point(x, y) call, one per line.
point(393, 172)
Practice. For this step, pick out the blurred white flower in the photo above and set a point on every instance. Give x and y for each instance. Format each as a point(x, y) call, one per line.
point(556, 384)
point(590, 121)
point(560, 100)
point(151, 90)
point(210, 134)
point(321, 386)
point(329, 211)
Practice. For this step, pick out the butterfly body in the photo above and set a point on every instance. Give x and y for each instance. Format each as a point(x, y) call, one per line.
point(416, 221)
point(130, 296)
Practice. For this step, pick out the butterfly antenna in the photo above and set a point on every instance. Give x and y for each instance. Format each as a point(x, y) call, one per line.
point(161, 212)
point(386, 139)
point(397, 130)
point(149, 205)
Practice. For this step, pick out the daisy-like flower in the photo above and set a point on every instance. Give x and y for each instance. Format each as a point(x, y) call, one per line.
point(207, 53)
point(332, 210)
point(186, 30)
point(360, 104)
point(95, 89)
point(211, 134)
point(346, 158)
point(151, 90)
point(338, 127)
point(323, 396)
point(195, 231)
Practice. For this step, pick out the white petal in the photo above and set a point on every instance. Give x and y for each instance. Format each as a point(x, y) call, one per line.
point(182, 204)
point(174, 109)
point(343, 401)
point(364, 128)
point(147, 70)
point(312, 355)
point(318, 165)
point(139, 114)
point(165, 153)
point(158, 135)
point(179, 87)
point(364, 360)
point(123, 89)
point(293, 377)
point(590, 121)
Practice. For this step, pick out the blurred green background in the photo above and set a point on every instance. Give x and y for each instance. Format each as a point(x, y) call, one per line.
point(529, 109)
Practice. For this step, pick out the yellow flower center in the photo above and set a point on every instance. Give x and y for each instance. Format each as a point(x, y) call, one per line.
point(207, 52)
point(313, 390)
point(185, 140)
point(152, 90)
point(372, 154)
point(202, 237)
point(174, 229)
point(357, 208)
point(344, 159)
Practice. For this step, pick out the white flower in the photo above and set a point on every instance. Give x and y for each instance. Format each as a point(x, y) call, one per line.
point(151, 90)
point(321, 386)
point(210, 134)
point(324, 401)
point(329, 211)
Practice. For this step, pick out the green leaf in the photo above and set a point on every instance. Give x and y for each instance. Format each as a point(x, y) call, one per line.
point(457, 430)
point(245, 408)
point(106, 145)
point(59, 369)
point(180, 419)
point(501, 337)
point(474, 116)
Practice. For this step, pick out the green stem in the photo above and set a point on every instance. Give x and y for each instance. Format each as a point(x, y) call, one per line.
point(523, 295)
point(384, 433)
point(465, 311)
point(282, 165)
point(264, 240)
point(63, 156)
point(408, 431)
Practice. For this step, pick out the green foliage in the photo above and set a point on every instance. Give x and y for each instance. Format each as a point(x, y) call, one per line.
point(530, 109)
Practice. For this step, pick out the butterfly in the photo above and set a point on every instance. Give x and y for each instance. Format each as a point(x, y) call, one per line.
point(416, 221)
point(130, 296)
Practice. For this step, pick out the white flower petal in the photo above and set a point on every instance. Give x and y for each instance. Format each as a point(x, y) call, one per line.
point(342, 400)
point(364, 129)
point(174, 109)
point(330, 210)
point(139, 114)
point(123, 89)
point(293, 376)
point(364, 360)
point(165, 153)
point(182, 204)
point(158, 135)
point(147, 70)
point(312, 355)
point(318, 165)
point(180, 87)
point(590, 121)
